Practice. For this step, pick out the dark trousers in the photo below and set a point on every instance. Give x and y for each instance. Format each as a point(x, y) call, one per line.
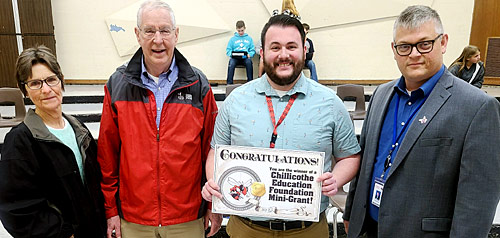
point(247, 62)
point(371, 227)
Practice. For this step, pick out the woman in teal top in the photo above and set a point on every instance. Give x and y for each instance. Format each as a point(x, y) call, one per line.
point(49, 175)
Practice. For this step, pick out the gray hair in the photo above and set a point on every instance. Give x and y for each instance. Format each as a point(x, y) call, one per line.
point(154, 4)
point(415, 16)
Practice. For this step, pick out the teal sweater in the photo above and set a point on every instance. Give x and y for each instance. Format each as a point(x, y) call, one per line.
point(240, 43)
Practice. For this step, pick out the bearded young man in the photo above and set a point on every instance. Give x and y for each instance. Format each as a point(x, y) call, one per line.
point(316, 121)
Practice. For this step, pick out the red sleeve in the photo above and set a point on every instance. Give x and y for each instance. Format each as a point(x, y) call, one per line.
point(108, 151)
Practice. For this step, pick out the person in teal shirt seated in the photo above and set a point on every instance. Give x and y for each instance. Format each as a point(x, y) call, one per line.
point(240, 49)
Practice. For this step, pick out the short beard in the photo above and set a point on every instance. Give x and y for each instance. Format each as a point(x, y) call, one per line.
point(270, 71)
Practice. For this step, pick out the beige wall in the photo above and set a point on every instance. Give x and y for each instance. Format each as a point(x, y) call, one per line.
point(351, 42)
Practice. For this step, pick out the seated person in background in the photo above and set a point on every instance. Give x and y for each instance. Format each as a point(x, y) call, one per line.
point(240, 49)
point(469, 67)
point(289, 6)
point(309, 54)
point(261, 61)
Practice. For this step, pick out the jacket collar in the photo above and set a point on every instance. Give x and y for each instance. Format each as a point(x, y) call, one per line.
point(439, 95)
point(134, 68)
point(437, 98)
point(39, 130)
point(426, 88)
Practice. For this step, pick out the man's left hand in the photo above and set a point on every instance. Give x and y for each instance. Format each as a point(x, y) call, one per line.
point(329, 187)
point(215, 222)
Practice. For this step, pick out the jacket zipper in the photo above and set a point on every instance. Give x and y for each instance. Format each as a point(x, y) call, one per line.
point(158, 170)
point(158, 149)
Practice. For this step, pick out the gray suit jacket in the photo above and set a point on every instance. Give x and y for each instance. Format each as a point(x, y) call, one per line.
point(445, 179)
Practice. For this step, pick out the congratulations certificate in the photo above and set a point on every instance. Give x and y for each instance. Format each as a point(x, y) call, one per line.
point(265, 182)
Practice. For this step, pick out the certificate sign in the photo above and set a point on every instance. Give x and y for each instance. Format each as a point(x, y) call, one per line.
point(272, 183)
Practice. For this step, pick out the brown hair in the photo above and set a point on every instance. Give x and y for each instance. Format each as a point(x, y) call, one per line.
point(32, 56)
point(467, 53)
point(240, 24)
point(282, 20)
point(306, 26)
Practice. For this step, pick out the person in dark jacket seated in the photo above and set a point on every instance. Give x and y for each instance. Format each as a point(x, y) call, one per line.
point(468, 66)
point(309, 54)
point(49, 174)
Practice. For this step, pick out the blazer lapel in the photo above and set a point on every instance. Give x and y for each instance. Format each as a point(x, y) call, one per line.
point(434, 102)
point(377, 115)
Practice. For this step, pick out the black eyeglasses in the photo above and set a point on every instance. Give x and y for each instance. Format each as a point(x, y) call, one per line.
point(423, 47)
point(36, 84)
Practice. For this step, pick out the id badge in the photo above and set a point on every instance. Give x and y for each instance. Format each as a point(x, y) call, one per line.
point(378, 188)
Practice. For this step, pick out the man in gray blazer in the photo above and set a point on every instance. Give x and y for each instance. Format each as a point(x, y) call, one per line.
point(431, 146)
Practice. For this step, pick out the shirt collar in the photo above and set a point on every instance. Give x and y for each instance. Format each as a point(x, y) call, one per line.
point(145, 78)
point(426, 88)
point(264, 87)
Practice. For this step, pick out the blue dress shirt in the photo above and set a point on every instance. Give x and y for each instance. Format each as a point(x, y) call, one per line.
point(162, 89)
point(407, 105)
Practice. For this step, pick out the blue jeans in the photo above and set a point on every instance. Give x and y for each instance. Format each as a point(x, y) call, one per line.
point(312, 67)
point(232, 65)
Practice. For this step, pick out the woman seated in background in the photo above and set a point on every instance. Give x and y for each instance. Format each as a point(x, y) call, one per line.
point(469, 67)
point(49, 174)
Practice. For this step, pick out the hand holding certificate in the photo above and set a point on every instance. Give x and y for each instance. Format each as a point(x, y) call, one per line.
point(267, 182)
